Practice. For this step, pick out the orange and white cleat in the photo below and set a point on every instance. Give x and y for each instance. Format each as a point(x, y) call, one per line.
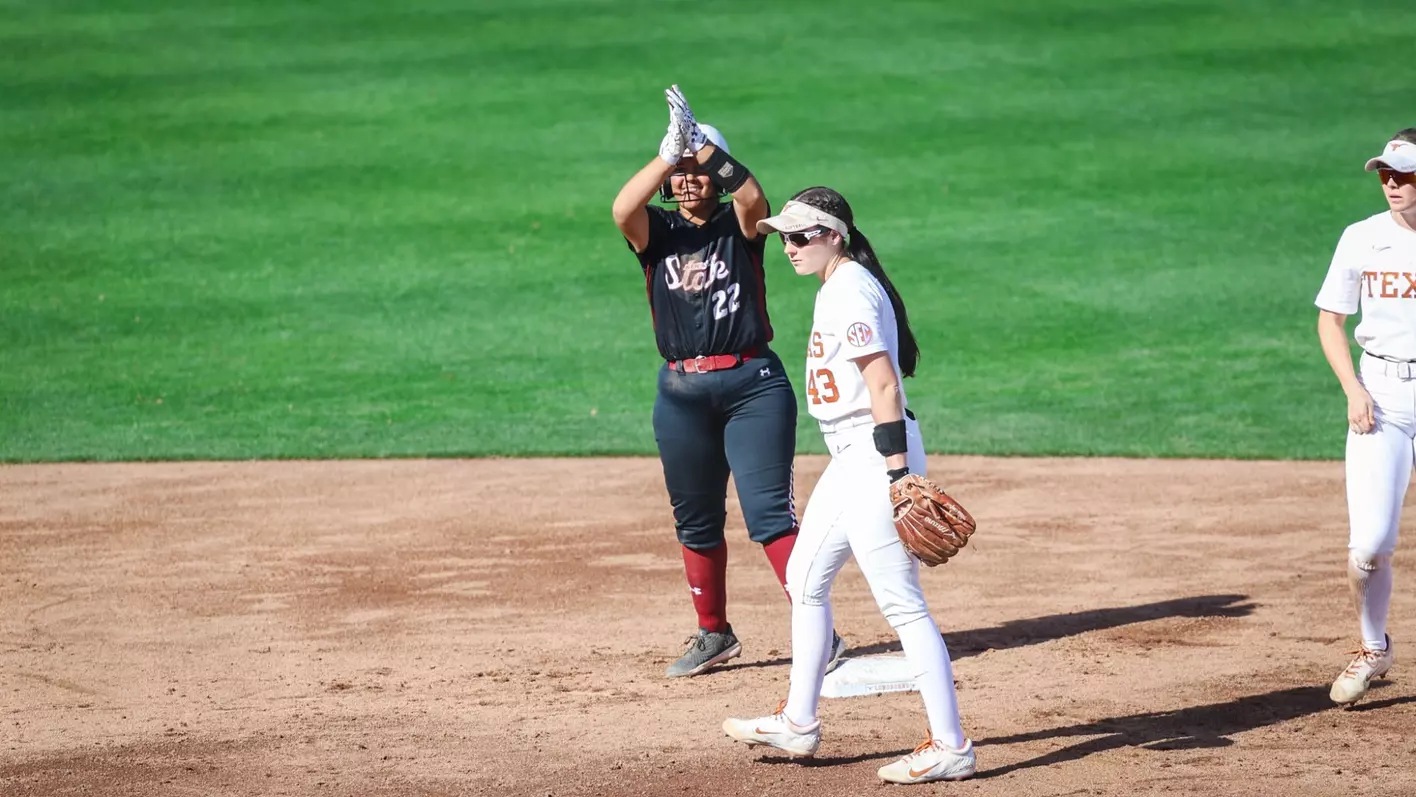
point(1352, 684)
point(775, 730)
point(932, 761)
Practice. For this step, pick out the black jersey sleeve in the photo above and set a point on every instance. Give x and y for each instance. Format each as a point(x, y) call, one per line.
point(658, 238)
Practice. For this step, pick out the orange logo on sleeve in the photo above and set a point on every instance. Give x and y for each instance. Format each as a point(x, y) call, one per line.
point(1389, 284)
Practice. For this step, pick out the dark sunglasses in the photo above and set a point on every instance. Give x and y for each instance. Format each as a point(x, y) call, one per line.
point(1401, 178)
point(800, 239)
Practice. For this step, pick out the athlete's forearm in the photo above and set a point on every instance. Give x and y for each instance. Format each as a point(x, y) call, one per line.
point(640, 188)
point(749, 200)
point(885, 404)
point(1332, 333)
point(750, 204)
point(630, 215)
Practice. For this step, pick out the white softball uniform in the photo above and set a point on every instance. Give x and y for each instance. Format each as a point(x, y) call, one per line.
point(850, 512)
point(853, 318)
point(1374, 271)
point(850, 509)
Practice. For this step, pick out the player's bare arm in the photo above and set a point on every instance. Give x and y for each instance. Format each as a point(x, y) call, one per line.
point(629, 209)
point(631, 215)
point(749, 201)
point(884, 388)
point(1332, 333)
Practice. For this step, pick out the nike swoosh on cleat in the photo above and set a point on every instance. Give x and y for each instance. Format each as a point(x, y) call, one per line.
point(922, 772)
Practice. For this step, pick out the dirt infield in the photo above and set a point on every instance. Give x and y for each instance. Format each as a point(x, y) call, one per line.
point(437, 628)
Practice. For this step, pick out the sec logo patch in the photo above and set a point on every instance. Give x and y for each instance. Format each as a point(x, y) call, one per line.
point(859, 334)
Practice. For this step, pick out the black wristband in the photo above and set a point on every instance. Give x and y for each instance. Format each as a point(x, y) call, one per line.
point(890, 438)
point(725, 172)
point(896, 474)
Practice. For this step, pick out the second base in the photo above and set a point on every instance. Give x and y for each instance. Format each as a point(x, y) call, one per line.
point(870, 675)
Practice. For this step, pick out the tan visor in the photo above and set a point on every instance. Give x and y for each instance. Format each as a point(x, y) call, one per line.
point(796, 216)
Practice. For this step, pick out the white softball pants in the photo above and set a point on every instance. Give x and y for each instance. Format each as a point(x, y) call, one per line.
point(850, 513)
point(1379, 466)
point(1379, 463)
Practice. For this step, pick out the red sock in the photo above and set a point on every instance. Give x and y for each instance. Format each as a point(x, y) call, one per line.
point(707, 573)
point(778, 552)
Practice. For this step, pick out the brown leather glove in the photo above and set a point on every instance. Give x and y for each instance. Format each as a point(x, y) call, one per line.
point(932, 526)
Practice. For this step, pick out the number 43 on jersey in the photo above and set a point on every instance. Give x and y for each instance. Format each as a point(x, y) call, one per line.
point(820, 382)
point(821, 386)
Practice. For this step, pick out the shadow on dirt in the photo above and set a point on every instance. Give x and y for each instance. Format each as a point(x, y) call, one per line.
point(1197, 727)
point(834, 761)
point(1036, 630)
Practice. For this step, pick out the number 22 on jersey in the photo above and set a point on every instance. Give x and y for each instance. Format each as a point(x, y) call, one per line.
point(725, 302)
point(820, 382)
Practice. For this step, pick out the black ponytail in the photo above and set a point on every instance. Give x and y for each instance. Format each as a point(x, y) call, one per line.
point(859, 249)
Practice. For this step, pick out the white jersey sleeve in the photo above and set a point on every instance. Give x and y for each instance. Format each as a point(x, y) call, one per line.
point(853, 319)
point(856, 320)
point(1373, 272)
point(1341, 291)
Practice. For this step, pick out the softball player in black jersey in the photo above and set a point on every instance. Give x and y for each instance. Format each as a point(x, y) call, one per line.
point(724, 401)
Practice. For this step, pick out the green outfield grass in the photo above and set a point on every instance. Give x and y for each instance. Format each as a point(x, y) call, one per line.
point(382, 229)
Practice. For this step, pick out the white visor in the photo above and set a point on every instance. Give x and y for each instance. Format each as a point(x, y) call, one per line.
point(798, 216)
point(1398, 155)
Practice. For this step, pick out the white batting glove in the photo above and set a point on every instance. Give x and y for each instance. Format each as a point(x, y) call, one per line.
point(692, 132)
point(671, 149)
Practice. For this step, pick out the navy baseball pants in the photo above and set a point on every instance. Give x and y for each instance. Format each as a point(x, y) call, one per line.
point(741, 420)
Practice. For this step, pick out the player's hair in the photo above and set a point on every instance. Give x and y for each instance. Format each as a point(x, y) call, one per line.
point(858, 247)
point(1408, 135)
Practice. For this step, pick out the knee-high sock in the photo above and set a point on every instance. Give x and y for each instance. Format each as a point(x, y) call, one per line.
point(811, 649)
point(1370, 578)
point(779, 551)
point(707, 573)
point(934, 674)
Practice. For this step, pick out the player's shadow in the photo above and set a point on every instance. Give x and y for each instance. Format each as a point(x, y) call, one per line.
point(835, 761)
point(1036, 630)
point(1196, 727)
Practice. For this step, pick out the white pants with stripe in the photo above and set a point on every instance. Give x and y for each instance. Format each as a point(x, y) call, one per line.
point(849, 513)
point(1379, 465)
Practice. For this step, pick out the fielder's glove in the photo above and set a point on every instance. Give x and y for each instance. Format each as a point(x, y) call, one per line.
point(678, 104)
point(932, 526)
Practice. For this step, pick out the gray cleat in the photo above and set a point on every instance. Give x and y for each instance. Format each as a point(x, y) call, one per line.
point(838, 651)
point(705, 649)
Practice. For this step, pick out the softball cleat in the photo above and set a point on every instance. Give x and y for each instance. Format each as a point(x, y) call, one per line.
point(932, 761)
point(705, 650)
point(775, 730)
point(1352, 684)
point(838, 651)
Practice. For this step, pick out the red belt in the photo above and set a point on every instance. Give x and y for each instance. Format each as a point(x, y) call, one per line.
point(712, 362)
